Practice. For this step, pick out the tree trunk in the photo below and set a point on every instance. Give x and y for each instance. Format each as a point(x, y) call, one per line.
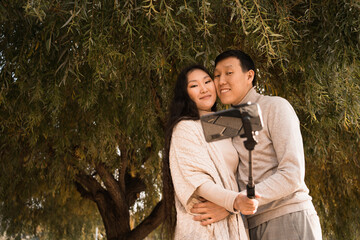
point(113, 204)
point(116, 223)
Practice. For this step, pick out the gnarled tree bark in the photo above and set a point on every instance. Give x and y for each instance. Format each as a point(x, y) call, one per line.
point(113, 202)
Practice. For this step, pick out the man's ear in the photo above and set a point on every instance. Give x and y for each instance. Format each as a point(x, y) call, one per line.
point(250, 75)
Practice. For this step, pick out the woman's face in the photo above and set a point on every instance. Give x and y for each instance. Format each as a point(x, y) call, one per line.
point(201, 90)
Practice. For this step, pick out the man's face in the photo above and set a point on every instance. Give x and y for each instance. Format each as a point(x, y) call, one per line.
point(232, 83)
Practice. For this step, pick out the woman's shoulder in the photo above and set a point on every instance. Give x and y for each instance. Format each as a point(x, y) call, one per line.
point(187, 123)
point(187, 126)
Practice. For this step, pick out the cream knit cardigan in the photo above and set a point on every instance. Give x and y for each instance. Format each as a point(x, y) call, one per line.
point(193, 162)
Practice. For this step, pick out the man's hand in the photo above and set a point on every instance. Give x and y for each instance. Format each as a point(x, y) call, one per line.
point(246, 205)
point(209, 212)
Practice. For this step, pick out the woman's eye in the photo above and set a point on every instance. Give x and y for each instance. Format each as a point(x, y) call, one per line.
point(208, 81)
point(192, 86)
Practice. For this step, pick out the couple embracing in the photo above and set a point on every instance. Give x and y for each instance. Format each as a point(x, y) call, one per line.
point(207, 181)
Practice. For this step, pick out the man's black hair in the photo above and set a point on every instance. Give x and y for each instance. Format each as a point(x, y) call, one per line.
point(246, 63)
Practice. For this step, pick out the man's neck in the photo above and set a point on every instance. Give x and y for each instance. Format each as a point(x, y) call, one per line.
point(242, 100)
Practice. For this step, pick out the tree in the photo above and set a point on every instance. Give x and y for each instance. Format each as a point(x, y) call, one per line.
point(85, 87)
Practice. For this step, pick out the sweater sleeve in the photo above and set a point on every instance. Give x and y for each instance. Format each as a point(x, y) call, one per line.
point(190, 163)
point(218, 195)
point(284, 130)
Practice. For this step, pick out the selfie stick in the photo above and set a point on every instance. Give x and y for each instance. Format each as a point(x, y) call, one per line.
point(249, 145)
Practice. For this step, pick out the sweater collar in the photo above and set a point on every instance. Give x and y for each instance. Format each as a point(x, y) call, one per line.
point(251, 96)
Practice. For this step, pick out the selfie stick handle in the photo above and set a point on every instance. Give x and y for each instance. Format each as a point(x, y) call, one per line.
point(249, 145)
point(250, 187)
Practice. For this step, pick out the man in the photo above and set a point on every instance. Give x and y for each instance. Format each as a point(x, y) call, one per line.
point(285, 208)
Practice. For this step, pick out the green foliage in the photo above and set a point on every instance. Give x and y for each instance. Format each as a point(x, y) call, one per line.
point(81, 80)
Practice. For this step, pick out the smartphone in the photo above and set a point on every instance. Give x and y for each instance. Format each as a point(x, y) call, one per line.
point(228, 123)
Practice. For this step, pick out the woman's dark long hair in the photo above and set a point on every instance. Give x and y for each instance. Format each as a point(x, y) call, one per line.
point(181, 108)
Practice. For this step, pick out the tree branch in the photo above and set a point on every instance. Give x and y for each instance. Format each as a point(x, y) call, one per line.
point(89, 183)
point(83, 192)
point(149, 224)
point(113, 188)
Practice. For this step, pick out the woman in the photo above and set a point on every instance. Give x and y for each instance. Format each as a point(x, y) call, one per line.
point(200, 170)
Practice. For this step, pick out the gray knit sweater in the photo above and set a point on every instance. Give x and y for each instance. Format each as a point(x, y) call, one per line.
point(278, 161)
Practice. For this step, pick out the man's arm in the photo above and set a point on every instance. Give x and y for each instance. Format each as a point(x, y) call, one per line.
point(284, 129)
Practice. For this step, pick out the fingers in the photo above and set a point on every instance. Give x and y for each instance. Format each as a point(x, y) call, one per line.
point(206, 219)
point(208, 212)
point(246, 205)
point(198, 210)
point(205, 204)
point(207, 222)
point(251, 204)
point(202, 217)
point(248, 212)
point(249, 209)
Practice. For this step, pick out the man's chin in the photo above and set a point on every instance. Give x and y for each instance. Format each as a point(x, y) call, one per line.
point(225, 101)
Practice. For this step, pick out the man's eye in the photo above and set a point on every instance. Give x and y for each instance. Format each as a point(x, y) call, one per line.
point(229, 73)
point(208, 81)
point(216, 76)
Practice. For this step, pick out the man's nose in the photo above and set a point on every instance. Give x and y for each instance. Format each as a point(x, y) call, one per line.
point(222, 80)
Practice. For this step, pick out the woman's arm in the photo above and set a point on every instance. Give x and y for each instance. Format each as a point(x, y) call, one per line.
point(209, 212)
point(218, 195)
point(231, 200)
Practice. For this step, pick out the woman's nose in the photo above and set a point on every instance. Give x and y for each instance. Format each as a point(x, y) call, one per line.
point(203, 89)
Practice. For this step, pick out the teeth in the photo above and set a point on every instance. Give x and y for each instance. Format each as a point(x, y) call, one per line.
point(224, 90)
